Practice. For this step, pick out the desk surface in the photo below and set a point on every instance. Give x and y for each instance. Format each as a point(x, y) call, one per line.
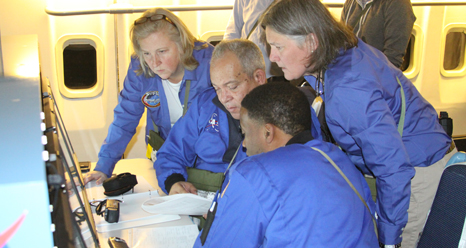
point(140, 167)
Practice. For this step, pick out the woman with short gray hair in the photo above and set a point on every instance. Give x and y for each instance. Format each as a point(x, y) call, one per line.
point(373, 111)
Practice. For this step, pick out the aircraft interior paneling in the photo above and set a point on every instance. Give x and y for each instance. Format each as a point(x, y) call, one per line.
point(99, 32)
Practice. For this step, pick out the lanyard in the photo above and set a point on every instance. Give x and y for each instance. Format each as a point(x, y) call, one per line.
point(231, 162)
point(350, 184)
point(401, 123)
point(320, 80)
point(213, 207)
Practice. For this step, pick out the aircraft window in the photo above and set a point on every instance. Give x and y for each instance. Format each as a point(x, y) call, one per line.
point(408, 54)
point(213, 37)
point(412, 59)
point(79, 66)
point(454, 50)
point(214, 42)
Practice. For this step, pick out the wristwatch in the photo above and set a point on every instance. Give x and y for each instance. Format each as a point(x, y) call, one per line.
point(389, 246)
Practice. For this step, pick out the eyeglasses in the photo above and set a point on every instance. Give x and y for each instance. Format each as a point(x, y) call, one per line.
point(153, 18)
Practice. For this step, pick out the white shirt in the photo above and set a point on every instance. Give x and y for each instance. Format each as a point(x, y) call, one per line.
point(173, 100)
point(243, 17)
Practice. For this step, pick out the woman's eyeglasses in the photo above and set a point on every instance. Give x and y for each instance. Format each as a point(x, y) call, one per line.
point(153, 18)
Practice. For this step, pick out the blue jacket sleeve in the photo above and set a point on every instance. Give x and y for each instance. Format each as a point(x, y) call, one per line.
point(127, 114)
point(178, 151)
point(362, 123)
point(240, 220)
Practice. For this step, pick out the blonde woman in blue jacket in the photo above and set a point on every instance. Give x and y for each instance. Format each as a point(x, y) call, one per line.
point(167, 59)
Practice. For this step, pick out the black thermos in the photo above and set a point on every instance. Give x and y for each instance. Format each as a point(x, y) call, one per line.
point(446, 122)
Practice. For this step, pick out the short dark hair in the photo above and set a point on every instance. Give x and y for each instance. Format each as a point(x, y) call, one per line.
point(298, 18)
point(281, 104)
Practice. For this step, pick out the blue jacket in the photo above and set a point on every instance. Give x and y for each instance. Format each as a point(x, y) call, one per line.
point(363, 108)
point(202, 136)
point(136, 91)
point(293, 197)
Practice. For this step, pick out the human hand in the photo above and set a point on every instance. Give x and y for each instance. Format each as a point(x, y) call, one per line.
point(69, 184)
point(182, 187)
point(94, 175)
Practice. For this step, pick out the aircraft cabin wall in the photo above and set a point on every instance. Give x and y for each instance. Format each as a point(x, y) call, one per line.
point(88, 112)
point(444, 89)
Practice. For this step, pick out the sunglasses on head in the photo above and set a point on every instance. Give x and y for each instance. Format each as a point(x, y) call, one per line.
point(153, 18)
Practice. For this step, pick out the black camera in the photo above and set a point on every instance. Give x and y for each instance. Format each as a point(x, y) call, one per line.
point(111, 213)
point(115, 242)
point(119, 184)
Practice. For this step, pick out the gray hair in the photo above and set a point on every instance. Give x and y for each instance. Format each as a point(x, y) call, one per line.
point(296, 19)
point(248, 53)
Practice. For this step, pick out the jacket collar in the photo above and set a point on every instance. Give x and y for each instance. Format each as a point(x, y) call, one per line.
point(301, 138)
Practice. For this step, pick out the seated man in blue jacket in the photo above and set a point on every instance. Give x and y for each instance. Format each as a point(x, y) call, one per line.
point(208, 137)
point(287, 193)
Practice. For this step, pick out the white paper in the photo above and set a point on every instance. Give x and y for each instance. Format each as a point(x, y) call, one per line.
point(165, 237)
point(132, 215)
point(187, 204)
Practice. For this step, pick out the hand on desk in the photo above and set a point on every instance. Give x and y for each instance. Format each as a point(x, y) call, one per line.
point(182, 187)
point(94, 175)
point(69, 185)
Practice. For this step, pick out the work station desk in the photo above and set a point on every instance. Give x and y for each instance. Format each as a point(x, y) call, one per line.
point(144, 168)
point(37, 158)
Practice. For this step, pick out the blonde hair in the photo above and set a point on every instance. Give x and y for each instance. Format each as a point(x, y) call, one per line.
point(180, 34)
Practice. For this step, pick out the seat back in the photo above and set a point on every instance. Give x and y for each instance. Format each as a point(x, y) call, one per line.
point(445, 223)
point(459, 157)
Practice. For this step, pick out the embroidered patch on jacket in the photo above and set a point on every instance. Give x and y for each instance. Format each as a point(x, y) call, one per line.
point(213, 123)
point(151, 99)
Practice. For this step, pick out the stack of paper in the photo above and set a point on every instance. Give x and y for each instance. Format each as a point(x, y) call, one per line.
point(132, 215)
point(188, 204)
point(165, 237)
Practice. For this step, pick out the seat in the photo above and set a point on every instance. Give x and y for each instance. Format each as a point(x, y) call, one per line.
point(445, 223)
point(459, 157)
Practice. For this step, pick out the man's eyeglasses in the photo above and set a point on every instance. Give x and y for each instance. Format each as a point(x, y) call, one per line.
point(153, 18)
